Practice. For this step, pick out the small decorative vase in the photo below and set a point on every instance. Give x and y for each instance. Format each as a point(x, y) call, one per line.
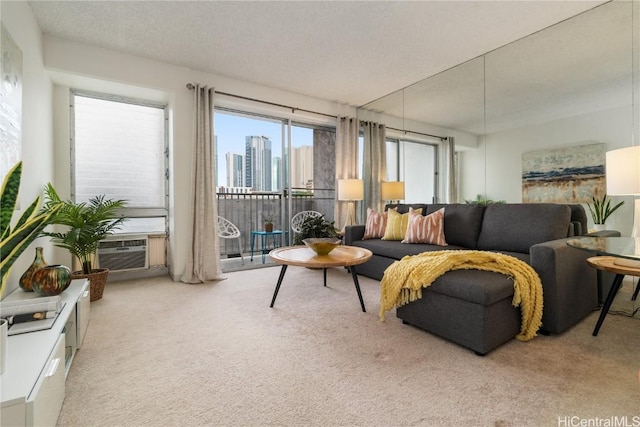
point(51, 280)
point(26, 280)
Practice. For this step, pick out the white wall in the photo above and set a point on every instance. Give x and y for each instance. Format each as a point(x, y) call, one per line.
point(495, 168)
point(37, 122)
point(87, 67)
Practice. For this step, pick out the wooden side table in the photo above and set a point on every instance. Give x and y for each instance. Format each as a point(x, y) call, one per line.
point(607, 263)
point(341, 256)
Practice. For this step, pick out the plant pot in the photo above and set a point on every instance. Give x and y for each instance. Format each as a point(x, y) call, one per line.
point(97, 281)
point(268, 227)
point(599, 227)
point(4, 333)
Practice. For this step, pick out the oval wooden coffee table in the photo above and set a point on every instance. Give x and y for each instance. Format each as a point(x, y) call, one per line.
point(301, 256)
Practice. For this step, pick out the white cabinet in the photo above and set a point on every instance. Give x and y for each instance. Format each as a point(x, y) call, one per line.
point(32, 387)
point(45, 401)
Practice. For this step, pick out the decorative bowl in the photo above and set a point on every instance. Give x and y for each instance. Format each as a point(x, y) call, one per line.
point(322, 245)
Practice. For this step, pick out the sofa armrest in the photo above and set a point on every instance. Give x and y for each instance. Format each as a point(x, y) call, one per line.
point(353, 233)
point(570, 286)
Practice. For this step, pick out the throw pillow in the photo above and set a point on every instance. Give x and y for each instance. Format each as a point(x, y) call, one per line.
point(397, 224)
point(426, 229)
point(375, 225)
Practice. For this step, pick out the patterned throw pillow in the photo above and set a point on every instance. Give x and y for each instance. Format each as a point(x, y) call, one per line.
point(375, 225)
point(397, 224)
point(426, 229)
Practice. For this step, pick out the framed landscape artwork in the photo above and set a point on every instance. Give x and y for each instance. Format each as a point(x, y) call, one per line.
point(566, 175)
point(11, 102)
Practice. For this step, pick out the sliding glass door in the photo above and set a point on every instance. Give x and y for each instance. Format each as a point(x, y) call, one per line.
point(268, 167)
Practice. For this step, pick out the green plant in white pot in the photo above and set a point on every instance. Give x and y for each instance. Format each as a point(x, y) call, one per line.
point(601, 209)
point(87, 224)
point(15, 239)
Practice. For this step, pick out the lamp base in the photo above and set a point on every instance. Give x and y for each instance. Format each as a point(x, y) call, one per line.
point(351, 215)
point(635, 232)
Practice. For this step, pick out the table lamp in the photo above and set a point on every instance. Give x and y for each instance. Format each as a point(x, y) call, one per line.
point(392, 191)
point(350, 190)
point(623, 179)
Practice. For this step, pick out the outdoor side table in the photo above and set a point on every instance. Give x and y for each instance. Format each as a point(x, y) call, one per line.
point(265, 237)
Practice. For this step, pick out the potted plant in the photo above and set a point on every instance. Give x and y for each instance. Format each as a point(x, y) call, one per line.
point(87, 224)
point(14, 240)
point(601, 210)
point(315, 227)
point(267, 219)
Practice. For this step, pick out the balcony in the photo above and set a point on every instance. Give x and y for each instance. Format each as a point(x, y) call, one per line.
point(246, 211)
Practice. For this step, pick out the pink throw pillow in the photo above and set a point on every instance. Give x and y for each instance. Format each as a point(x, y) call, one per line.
point(426, 229)
point(375, 225)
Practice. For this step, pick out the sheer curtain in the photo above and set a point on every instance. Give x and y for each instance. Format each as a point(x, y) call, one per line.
point(374, 163)
point(203, 257)
point(448, 183)
point(346, 161)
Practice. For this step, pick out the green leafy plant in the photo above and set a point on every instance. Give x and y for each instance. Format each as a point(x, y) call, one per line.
point(483, 201)
point(267, 218)
point(87, 222)
point(14, 240)
point(601, 209)
point(315, 227)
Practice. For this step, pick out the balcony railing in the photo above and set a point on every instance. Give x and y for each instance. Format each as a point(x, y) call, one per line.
point(247, 212)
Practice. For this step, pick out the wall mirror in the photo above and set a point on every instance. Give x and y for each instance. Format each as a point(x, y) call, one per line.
point(572, 84)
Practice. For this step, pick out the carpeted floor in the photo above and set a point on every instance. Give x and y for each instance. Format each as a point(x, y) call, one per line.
point(159, 353)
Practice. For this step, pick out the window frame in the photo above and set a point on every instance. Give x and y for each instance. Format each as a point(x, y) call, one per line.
point(158, 212)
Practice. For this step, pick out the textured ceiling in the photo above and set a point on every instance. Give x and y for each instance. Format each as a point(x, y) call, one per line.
point(344, 51)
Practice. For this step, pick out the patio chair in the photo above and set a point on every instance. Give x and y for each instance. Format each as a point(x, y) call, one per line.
point(228, 230)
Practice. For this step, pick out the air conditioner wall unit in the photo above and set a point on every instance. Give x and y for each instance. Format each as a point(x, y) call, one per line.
point(124, 253)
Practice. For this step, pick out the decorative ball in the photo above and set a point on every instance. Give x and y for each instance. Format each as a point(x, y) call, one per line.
point(51, 280)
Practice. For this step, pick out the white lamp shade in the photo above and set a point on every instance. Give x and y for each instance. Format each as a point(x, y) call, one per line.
point(623, 171)
point(392, 190)
point(350, 189)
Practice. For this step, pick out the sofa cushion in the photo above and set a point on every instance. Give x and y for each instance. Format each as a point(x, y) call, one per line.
point(578, 219)
point(404, 207)
point(517, 227)
point(375, 225)
point(397, 224)
point(426, 229)
point(476, 286)
point(462, 223)
point(394, 249)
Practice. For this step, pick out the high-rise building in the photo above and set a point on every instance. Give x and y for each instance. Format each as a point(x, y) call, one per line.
point(302, 166)
point(258, 163)
point(235, 170)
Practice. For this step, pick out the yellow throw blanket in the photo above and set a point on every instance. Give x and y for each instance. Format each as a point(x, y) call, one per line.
point(403, 281)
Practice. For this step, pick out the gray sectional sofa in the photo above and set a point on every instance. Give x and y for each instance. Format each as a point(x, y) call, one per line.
point(474, 308)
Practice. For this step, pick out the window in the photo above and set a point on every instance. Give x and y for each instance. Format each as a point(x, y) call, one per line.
point(249, 153)
point(119, 149)
point(415, 163)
